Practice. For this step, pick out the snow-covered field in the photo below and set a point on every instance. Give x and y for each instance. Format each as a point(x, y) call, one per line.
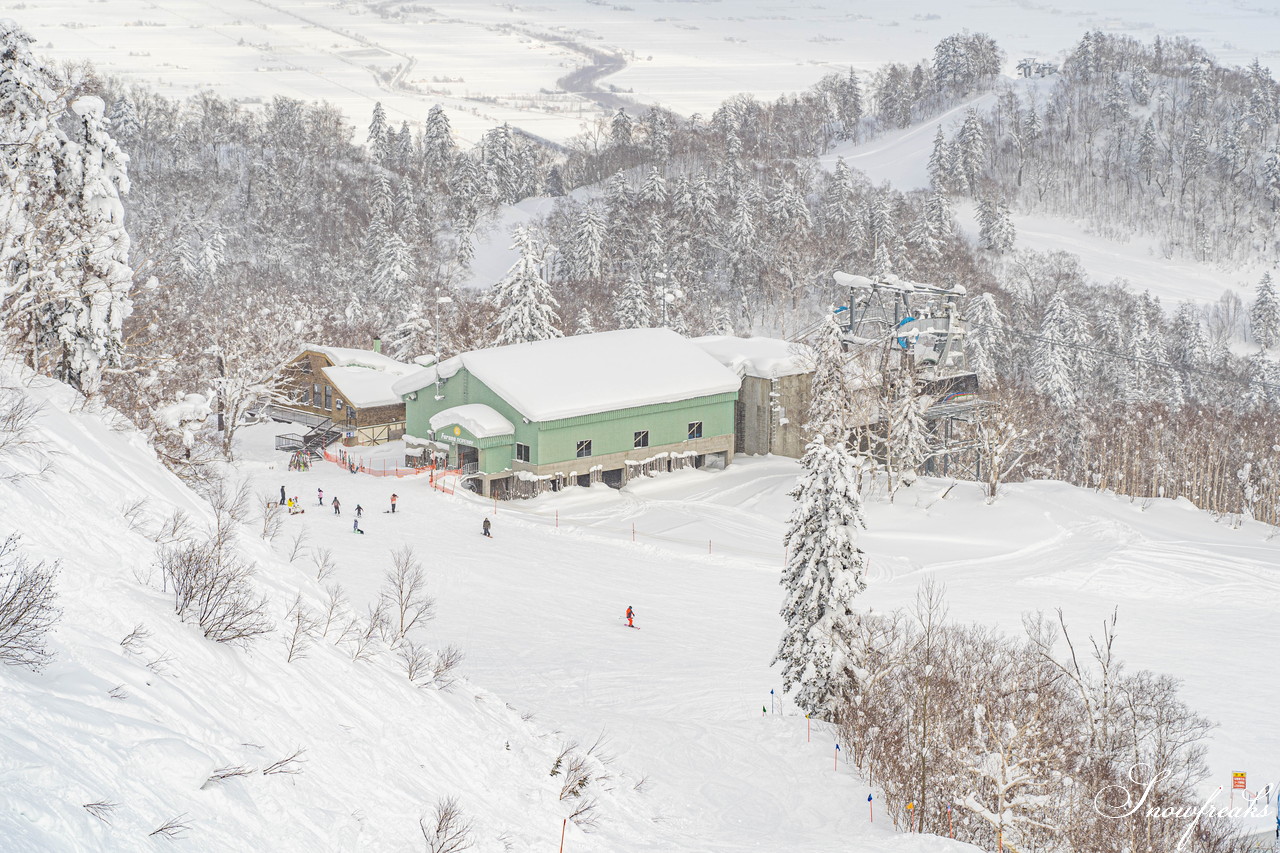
point(491, 63)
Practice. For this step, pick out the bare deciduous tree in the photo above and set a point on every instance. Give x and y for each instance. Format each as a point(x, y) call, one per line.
point(28, 609)
point(447, 830)
point(302, 626)
point(404, 593)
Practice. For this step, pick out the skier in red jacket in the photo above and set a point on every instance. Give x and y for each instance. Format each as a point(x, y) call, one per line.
point(631, 615)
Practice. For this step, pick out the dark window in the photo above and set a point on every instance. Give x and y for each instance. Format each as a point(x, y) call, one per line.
point(695, 429)
point(642, 439)
point(337, 404)
point(315, 395)
point(584, 448)
point(522, 452)
point(328, 397)
point(305, 365)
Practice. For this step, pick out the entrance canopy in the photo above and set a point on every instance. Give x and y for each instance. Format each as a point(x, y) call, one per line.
point(476, 418)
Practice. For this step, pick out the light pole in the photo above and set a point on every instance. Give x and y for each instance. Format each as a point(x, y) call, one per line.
point(667, 295)
point(440, 300)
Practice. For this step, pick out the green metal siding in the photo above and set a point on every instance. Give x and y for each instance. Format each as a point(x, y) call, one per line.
point(614, 432)
point(556, 441)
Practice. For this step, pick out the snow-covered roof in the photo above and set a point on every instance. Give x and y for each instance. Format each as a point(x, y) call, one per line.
point(766, 358)
point(476, 418)
point(347, 357)
point(361, 377)
point(586, 374)
point(362, 387)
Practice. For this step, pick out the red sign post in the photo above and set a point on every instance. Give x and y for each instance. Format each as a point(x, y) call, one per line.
point(1237, 784)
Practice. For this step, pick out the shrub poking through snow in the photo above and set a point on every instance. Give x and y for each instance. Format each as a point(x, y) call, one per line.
point(446, 830)
point(27, 607)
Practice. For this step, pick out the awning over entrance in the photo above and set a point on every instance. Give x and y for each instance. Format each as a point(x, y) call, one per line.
point(476, 418)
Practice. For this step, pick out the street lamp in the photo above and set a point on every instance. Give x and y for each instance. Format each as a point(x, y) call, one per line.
point(440, 300)
point(666, 295)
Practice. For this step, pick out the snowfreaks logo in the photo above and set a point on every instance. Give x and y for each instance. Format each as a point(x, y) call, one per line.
point(1121, 801)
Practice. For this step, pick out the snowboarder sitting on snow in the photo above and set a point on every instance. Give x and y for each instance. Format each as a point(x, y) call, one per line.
point(355, 526)
point(337, 507)
point(631, 615)
point(486, 529)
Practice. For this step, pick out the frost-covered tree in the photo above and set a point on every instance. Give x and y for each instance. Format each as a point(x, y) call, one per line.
point(438, 147)
point(635, 305)
point(63, 243)
point(1264, 316)
point(995, 226)
point(526, 308)
point(91, 324)
point(907, 437)
point(986, 342)
point(831, 399)
point(1053, 358)
point(824, 573)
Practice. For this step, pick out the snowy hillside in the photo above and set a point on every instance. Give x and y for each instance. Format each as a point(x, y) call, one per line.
point(144, 726)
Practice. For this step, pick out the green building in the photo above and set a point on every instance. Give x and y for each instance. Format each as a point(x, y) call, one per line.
point(604, 408)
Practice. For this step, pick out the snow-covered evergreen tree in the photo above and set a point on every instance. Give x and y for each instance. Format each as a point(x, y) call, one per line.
point(823, 575)
point(438, 147)
point(634, 305)
point(986, 342)
point(831, 398)
point(907, 439)
point(995, 226)
point(1053, 357)
point(91, 322)
point(526, 308)
point(63, 244)
point(1264, 316)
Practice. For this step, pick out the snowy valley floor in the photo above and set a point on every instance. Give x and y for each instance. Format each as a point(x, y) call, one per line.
point(538, 611)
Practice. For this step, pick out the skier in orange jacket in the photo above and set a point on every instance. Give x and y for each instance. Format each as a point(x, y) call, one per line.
point(631, 615)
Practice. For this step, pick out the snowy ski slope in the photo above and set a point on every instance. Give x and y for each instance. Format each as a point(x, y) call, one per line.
point(539, 609)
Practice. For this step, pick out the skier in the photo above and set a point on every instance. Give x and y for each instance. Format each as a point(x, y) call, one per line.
point(337, 507)
point(486, 529)
point(320, 496)
point(394, 498)
point(631, 616)
point(283, 499)
point(359, 510)
point(355, 526)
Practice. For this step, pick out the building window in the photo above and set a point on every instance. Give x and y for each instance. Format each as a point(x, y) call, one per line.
point(584, 448)
point(337, 404)
point(642, 439)
point(328, 397)
point(315, 395)
point(305, 365)
point(522, 452)
point(695, 429)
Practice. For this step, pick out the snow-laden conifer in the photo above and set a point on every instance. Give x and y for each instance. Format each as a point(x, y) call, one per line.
point(823, 575)
point(526, 308)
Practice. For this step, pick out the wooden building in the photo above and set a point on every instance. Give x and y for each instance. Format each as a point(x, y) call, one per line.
point(351, 388)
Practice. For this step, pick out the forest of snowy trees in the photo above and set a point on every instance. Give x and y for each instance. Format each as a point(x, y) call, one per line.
point(254, 231)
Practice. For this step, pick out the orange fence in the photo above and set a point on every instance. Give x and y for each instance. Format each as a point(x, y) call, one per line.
point(356, 464)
